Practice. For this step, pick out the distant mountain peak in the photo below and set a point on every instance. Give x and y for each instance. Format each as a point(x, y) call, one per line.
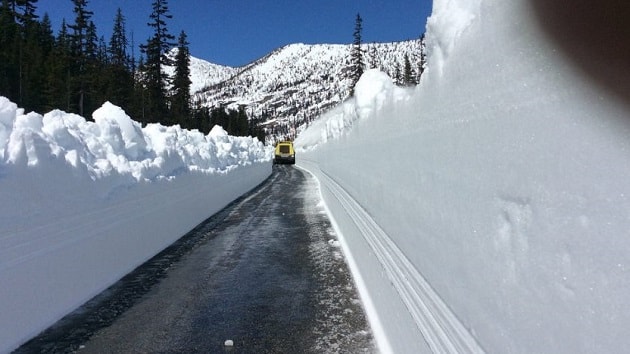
point(293, 84)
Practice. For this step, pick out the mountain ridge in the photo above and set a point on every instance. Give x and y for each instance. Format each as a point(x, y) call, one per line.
point(293, 84)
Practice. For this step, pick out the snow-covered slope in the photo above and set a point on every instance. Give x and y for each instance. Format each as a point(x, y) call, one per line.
point(202, 73)
point(84, 203)
point(296, 83)
point(489, 208)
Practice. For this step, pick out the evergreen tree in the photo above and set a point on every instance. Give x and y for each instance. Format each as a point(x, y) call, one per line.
point(72, 71)
point(373, 57)
point(155, 79)
point(47, 38)
point(118, 75)
point(57, 88)
point(32, 68)
point(255, 129)
point(409, 76)
point(234, 122)
point(201, 118)
point(397, 75)
point(241, 126)
point(118, 42)
point(356, 55)
point(218, 116)
point(9, 37)
point(80, 46)
point(96, 55)
point(29, 55)
point(28, 8)
point(102, 53)
point(180, 100)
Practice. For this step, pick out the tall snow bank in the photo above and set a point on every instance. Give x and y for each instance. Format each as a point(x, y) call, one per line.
point(503, 180)
point(84, 203)
point(115, 144)
point(373, 92)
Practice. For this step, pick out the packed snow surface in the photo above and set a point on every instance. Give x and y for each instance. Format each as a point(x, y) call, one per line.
point(83, 203)
point(487, 209)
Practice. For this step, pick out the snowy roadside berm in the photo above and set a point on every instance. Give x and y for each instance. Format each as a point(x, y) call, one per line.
point(83, 203)
point(115, 145)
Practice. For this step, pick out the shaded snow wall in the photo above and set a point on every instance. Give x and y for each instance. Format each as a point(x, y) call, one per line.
point(81, 252)
point(504, 180)
point(84, 203)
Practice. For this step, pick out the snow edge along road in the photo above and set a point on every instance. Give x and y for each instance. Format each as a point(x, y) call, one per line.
point(430, 318)
point(368, 305)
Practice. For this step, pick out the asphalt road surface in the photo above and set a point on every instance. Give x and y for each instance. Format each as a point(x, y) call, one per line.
point(266, 273)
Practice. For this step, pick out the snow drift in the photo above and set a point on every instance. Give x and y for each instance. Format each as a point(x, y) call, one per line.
point(500, 185)
point(84, 203)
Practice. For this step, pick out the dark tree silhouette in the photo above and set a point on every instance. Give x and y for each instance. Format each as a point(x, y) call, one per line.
point(155, 80)
point(180, 100)
point(356, 55)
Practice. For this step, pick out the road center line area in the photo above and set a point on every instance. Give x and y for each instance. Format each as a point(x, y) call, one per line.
point(266, 273)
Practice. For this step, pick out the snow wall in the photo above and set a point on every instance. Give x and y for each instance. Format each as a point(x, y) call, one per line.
point(84, 203)
point(503, 179)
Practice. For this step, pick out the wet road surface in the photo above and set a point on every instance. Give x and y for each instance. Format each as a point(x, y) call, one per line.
point(267, 273)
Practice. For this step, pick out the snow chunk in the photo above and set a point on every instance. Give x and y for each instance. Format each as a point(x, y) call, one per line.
point(373, 92)
point(123, 132)
point(26, 142)
point(447, 23)
point(7, 116)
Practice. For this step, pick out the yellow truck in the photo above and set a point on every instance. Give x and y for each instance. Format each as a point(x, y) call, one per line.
point(284, 153)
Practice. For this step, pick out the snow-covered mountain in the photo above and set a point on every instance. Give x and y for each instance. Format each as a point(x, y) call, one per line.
point(296, 83)
point(203, 73)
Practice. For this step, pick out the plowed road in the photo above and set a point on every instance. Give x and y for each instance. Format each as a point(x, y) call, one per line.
point(266, 273)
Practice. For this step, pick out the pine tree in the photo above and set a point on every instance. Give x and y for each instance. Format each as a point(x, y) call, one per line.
point(80, 45)
point(57, 85)
point(9, 63)
point(32, 73)
point(373, 57)
point(31, 52)
point(180, 100)
point(255, 128)
point(241, 126)
point(356, 55)
point(118, 42)
point(409, 76)
point(201, 117)
point(118, 76)
point(28, 10)
point(155, 79)
point(218, 116)
point(95, 79)
point(397, 75)
point(47, 38)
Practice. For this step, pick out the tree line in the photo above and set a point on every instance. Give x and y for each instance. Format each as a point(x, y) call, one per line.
point(408, 75)
point(76, 70)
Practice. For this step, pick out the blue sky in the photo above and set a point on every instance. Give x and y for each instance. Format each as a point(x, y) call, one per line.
point(236, 32)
